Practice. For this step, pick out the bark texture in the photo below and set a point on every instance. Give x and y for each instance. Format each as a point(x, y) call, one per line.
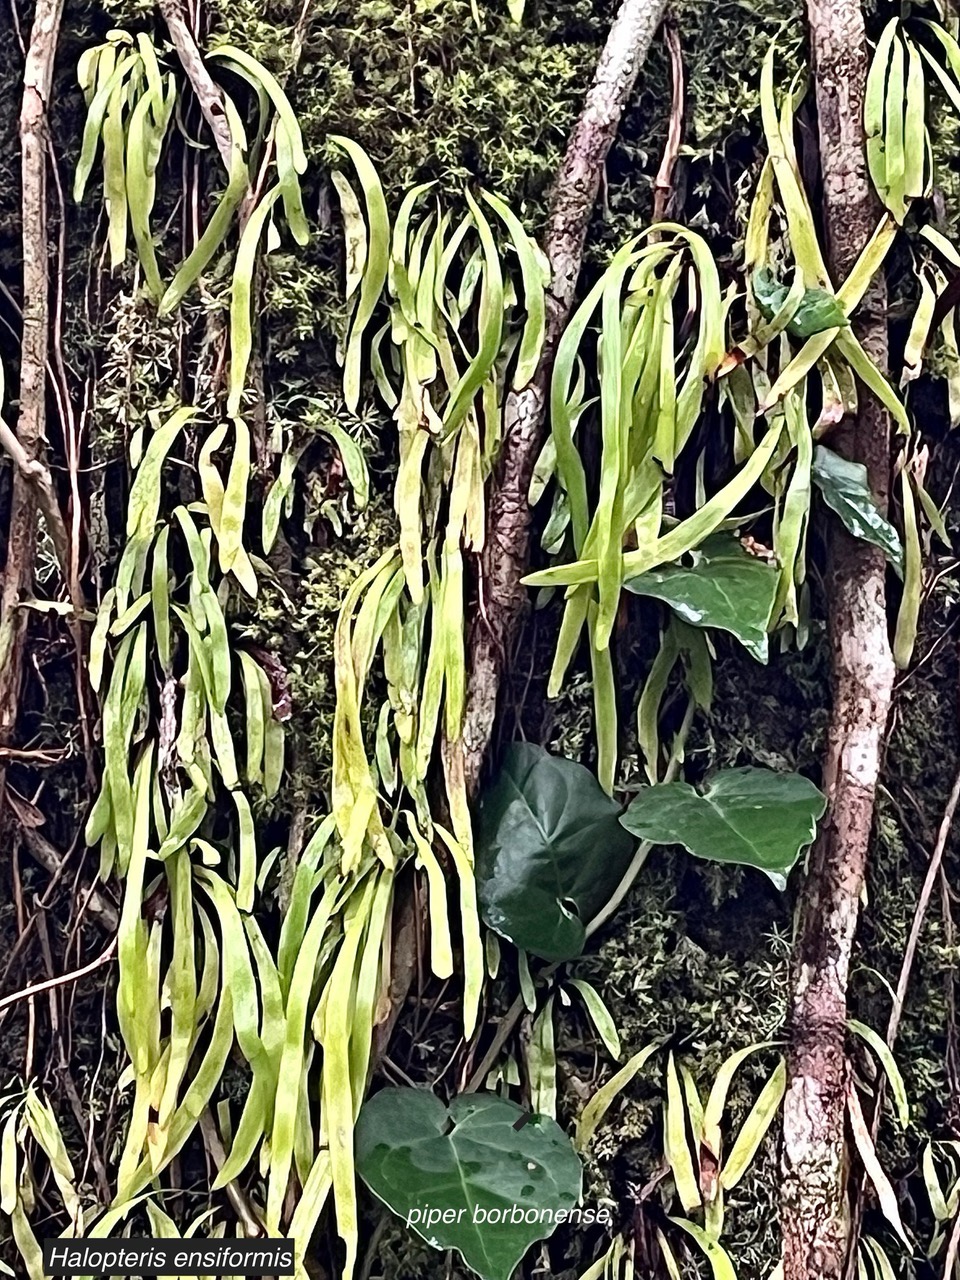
point(504, 559)
point(29, 474)
point(814, 1208)
point(208, 95)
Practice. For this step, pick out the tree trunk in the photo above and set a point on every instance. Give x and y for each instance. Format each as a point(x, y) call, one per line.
point(814, 1208)
point(31, 424)
point(504, 558)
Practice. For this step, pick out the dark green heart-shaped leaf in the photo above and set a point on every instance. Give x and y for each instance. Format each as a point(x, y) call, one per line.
point(724, 587)
point(468, 1162)
point(752, 816)
point(550, 851)
point(846, 491)
point(818, 309)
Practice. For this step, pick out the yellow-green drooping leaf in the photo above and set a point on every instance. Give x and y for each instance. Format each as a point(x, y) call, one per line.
point(873, 109)
point(215, 232)
point(375, 267)
point(143, 507)
point(762, 1115)
point(96, 114)
point(886, 1195)
point(720, 1265)
point(908, 616)
point(241, 291)
point(600, 1015)
point(42, 1123)
point(233, 511)
point(676, 1142)
point(541, 1061)
point(289, 1083)
point(246, 853)
point(889, 1064)
point(535, 272)
point(490, 324)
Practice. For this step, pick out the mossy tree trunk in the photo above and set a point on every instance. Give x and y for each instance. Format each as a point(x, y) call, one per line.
point(815, 1217)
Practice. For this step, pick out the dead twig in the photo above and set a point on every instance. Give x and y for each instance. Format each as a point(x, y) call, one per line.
point(40, 481)
point(37, 757)
point(952, 1054)
point(71, 431)
point(663, 182)
point(252, 1225)
point(933, 872)
point(39, 987)
point(98, 905)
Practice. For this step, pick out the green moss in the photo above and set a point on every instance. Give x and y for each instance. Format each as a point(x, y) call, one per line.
point(431, 95)
point(295, 618)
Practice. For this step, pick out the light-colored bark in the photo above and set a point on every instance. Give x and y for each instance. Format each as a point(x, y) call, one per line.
point(502, 599)
point(29, 474)
point(814, 1205)
point(208, 95)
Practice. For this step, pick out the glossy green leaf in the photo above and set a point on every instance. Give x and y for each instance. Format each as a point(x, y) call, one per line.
point(723, 586)
point(752, 816)
point(818, 310)
point(846, 491)
point(413, 1152)
point(550, 850)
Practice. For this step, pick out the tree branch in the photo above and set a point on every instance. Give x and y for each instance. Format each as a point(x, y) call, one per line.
point(38, 477)
point(208, 95)
point(504, 557)
point(814, 1209)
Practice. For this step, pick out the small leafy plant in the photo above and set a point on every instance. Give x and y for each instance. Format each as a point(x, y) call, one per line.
point(495, 1178)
